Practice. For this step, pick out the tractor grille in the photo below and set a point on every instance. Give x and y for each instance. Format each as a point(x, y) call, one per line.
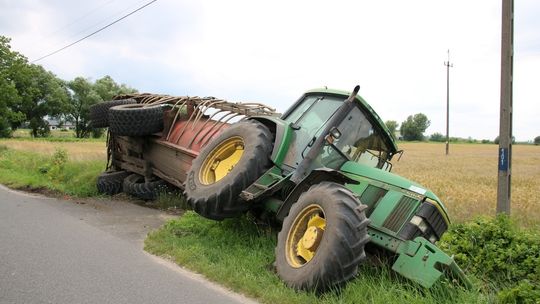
point(436, 225)
point(434, 218)
point(400, 213)
point(371, 196)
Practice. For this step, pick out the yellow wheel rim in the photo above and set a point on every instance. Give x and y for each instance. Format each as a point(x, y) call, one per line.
point(221, 160)
point(305, 236)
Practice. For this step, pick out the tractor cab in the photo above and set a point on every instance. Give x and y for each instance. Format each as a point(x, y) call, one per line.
point(360, 137)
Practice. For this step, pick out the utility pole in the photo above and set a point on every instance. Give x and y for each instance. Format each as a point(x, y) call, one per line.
point(448, 66)
point(505, 126)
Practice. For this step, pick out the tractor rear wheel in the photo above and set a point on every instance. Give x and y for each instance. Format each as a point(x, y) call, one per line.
point(225, 167)
point(322, 239)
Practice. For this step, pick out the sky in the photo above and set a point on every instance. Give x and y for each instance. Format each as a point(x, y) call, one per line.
point(273, 51)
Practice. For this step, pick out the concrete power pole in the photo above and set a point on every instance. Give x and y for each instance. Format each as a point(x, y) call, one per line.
point(505, 127)
point(448, 66)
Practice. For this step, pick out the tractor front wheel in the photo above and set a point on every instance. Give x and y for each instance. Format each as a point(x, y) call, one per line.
point(322, 239)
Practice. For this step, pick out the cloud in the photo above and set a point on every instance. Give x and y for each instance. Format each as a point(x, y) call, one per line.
point(273, 51)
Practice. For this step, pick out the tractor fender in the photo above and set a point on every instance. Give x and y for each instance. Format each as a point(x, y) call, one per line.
point(316, 176)
point(282, 136)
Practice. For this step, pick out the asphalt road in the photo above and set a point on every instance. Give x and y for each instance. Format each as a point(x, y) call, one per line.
point(89, 251)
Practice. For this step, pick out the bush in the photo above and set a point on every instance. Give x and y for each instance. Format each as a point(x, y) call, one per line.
point(537, 140)
point(503, 256)
point(438, 137)
point(55, 168)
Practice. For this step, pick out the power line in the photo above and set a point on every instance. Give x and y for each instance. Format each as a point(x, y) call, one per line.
point(80, 18)
point(95, 32)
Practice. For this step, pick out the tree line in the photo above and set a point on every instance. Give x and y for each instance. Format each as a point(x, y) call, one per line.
point(413, 128)
point(29, 94)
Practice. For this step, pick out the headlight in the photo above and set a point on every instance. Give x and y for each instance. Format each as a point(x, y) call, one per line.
point(420, 223)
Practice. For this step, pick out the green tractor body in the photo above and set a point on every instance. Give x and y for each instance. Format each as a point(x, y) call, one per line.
point(405, 217)
point(321, 170)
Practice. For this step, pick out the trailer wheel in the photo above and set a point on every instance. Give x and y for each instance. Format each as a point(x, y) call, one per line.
point(135, 185)
point(322, 239)
point(110, 182)
point(99, 113)
point(225, 167)
point(135, 119)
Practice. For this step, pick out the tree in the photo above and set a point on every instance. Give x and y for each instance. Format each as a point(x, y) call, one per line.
point(28, 93)
point(438, 137)
point(392, 126)
point(9, 96)
point(43, 94)
point(537, 140)
point(107, 88)
point(414, 127)
point(81, 96)
point(496, 141)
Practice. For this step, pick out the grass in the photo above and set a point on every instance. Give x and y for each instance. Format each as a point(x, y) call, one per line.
point(239, 254)
point(77, 150)
point(37, 171)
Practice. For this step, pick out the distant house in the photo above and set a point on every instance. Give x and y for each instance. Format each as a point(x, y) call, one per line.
point(56, 124)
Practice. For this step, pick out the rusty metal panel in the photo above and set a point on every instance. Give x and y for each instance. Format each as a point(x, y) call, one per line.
point(194, 135)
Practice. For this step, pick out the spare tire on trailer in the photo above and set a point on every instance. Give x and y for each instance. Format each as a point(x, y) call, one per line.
point(136, 185)
point(135, 119)
point(110, 182)
point(225, 167)
point(99, 113)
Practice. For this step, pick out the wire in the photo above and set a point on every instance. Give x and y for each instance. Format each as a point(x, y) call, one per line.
point(82, 17)
point(95, 32)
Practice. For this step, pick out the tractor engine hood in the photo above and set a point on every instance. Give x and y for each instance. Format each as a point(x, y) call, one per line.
point(353, 168)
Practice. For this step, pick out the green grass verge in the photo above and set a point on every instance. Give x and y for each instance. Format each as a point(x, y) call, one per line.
point(29, 170)
point(239, 254)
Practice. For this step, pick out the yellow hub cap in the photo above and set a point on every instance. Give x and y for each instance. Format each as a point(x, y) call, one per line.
point(305, 236)
point(221, 160)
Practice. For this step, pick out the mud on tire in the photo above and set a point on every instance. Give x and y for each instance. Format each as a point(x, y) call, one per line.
point(110, 182)
point(135, 119)
point(335, 251)
point(99, 113)
point(218, 198)
point(135, 185)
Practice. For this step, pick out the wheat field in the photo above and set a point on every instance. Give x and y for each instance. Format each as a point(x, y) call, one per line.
point(77, 151)
point(466, 180)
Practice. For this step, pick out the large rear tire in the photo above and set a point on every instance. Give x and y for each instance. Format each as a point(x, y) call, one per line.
point(225, 167)
point(135, 119)
point(322, 239)
point(99, 113)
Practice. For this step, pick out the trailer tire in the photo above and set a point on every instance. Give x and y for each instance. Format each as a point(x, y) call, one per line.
point(99, 113)
point(322, 240)
point(110, 182)
point(225, 167)
point(135, 185)
point(135, 119)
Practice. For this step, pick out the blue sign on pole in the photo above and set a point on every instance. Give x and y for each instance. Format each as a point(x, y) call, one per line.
point(503, 159)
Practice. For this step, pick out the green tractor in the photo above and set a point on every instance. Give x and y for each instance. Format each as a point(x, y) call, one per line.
point(322, 170)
